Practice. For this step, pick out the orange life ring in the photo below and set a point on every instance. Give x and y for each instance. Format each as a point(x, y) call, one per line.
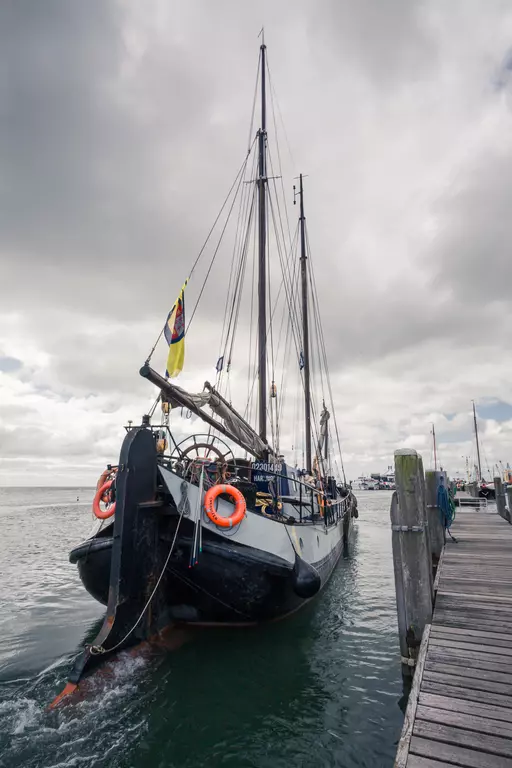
point(107, 474)
point(209, 505)
point(103, 514)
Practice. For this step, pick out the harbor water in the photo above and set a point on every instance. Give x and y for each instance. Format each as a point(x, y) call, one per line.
point(320, 689)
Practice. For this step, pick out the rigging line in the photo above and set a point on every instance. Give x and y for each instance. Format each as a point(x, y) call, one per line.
point(274, 310)
point(286, 354)
point(239, 174)
point(296, 419)
point(153, 407)
point(292, 259)
point(273, 406)
point(285, 378)
point(214, 256)
point(273, 174)
point(294, 310)
point(249, 362)
point(297, 332)
point(241, 279)
point(328, 376)
point(279, 156)
point(317, 325)
point(273, 93)
point(244, 202)
point(286, 285)
point(255, 371)
point(287, 345)
point(254, 101)
point(99, 649)
point(237, 278)
point(236, 310)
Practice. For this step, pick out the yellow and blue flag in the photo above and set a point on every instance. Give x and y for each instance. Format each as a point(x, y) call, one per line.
point(174, 332)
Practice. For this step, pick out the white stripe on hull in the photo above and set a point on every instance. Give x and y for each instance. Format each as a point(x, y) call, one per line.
point(312, 541)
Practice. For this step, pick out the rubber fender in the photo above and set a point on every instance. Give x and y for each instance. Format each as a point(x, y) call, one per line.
point(306, 579)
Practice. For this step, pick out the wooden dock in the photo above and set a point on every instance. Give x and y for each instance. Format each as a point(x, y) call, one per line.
point(460, 707)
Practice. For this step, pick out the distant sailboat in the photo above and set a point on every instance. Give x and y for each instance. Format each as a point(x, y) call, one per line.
point(485, 490)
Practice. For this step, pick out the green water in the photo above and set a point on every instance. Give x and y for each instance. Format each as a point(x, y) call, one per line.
point(320, 689)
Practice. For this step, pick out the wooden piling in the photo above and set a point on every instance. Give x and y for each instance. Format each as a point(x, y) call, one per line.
point(509, 502)
point(473, 489)
point(500, 498)
point(460, 706)
point(411, 555)
point(435, 528)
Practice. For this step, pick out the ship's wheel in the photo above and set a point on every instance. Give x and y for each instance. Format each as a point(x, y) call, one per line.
point(204, 451)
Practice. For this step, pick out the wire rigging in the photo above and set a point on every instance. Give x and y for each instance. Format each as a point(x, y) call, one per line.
point(238, 176)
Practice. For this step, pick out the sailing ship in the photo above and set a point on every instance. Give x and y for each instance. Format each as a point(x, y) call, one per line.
point(218, 528)
point(485, 490)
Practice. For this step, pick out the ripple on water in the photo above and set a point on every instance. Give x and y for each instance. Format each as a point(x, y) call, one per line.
point(320, 689)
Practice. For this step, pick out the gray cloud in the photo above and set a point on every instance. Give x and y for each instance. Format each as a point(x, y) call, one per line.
point(123, 125)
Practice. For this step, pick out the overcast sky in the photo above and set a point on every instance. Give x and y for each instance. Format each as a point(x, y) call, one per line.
point(122, 127)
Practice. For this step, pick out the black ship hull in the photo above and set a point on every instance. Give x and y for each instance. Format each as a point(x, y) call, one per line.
point(159, 563)
point(230, 584)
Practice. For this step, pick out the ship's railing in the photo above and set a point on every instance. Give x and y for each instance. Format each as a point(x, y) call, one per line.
point(470, 501)
point(330, 510)
point(323, 507)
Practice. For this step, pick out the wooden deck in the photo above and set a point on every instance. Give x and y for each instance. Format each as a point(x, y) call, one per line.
point(460, 708)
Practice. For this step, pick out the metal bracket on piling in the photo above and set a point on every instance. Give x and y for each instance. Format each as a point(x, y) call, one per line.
point(408, 528)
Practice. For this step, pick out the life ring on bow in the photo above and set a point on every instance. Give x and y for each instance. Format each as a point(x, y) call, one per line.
point(107, 474)
point(209, 505)
point(100, 495)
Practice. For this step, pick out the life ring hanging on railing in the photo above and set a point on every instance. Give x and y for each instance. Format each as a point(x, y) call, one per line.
point(107, 474)
point(102, 494)
point(209, 505)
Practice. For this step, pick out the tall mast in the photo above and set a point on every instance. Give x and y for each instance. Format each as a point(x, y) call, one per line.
point(477, 445)
point(435, 449)
point(305, 327)
point(262, 258)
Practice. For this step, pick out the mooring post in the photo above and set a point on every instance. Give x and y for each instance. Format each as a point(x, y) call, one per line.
point(411, 555)
point(500, 497)
point(436, 532)
point(509, 502)
point(473, 489)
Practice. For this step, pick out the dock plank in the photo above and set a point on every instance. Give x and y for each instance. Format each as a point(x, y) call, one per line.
point(489, 711)
point(482, 635)
point(460, 737)
point(463, 670)
point(455, 755)
point(415, 761)
point(468, 661)
point(465, 721)
point(467, 693)
point(476, 684)
point(462, 711)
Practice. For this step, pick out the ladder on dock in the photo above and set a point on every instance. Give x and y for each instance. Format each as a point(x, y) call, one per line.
point(460, 706)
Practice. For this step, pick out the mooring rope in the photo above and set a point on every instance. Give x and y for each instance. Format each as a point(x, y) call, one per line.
point(99, 649)
point(447, 509)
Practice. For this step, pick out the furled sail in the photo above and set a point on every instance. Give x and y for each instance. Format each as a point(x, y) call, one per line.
point(232, 424)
